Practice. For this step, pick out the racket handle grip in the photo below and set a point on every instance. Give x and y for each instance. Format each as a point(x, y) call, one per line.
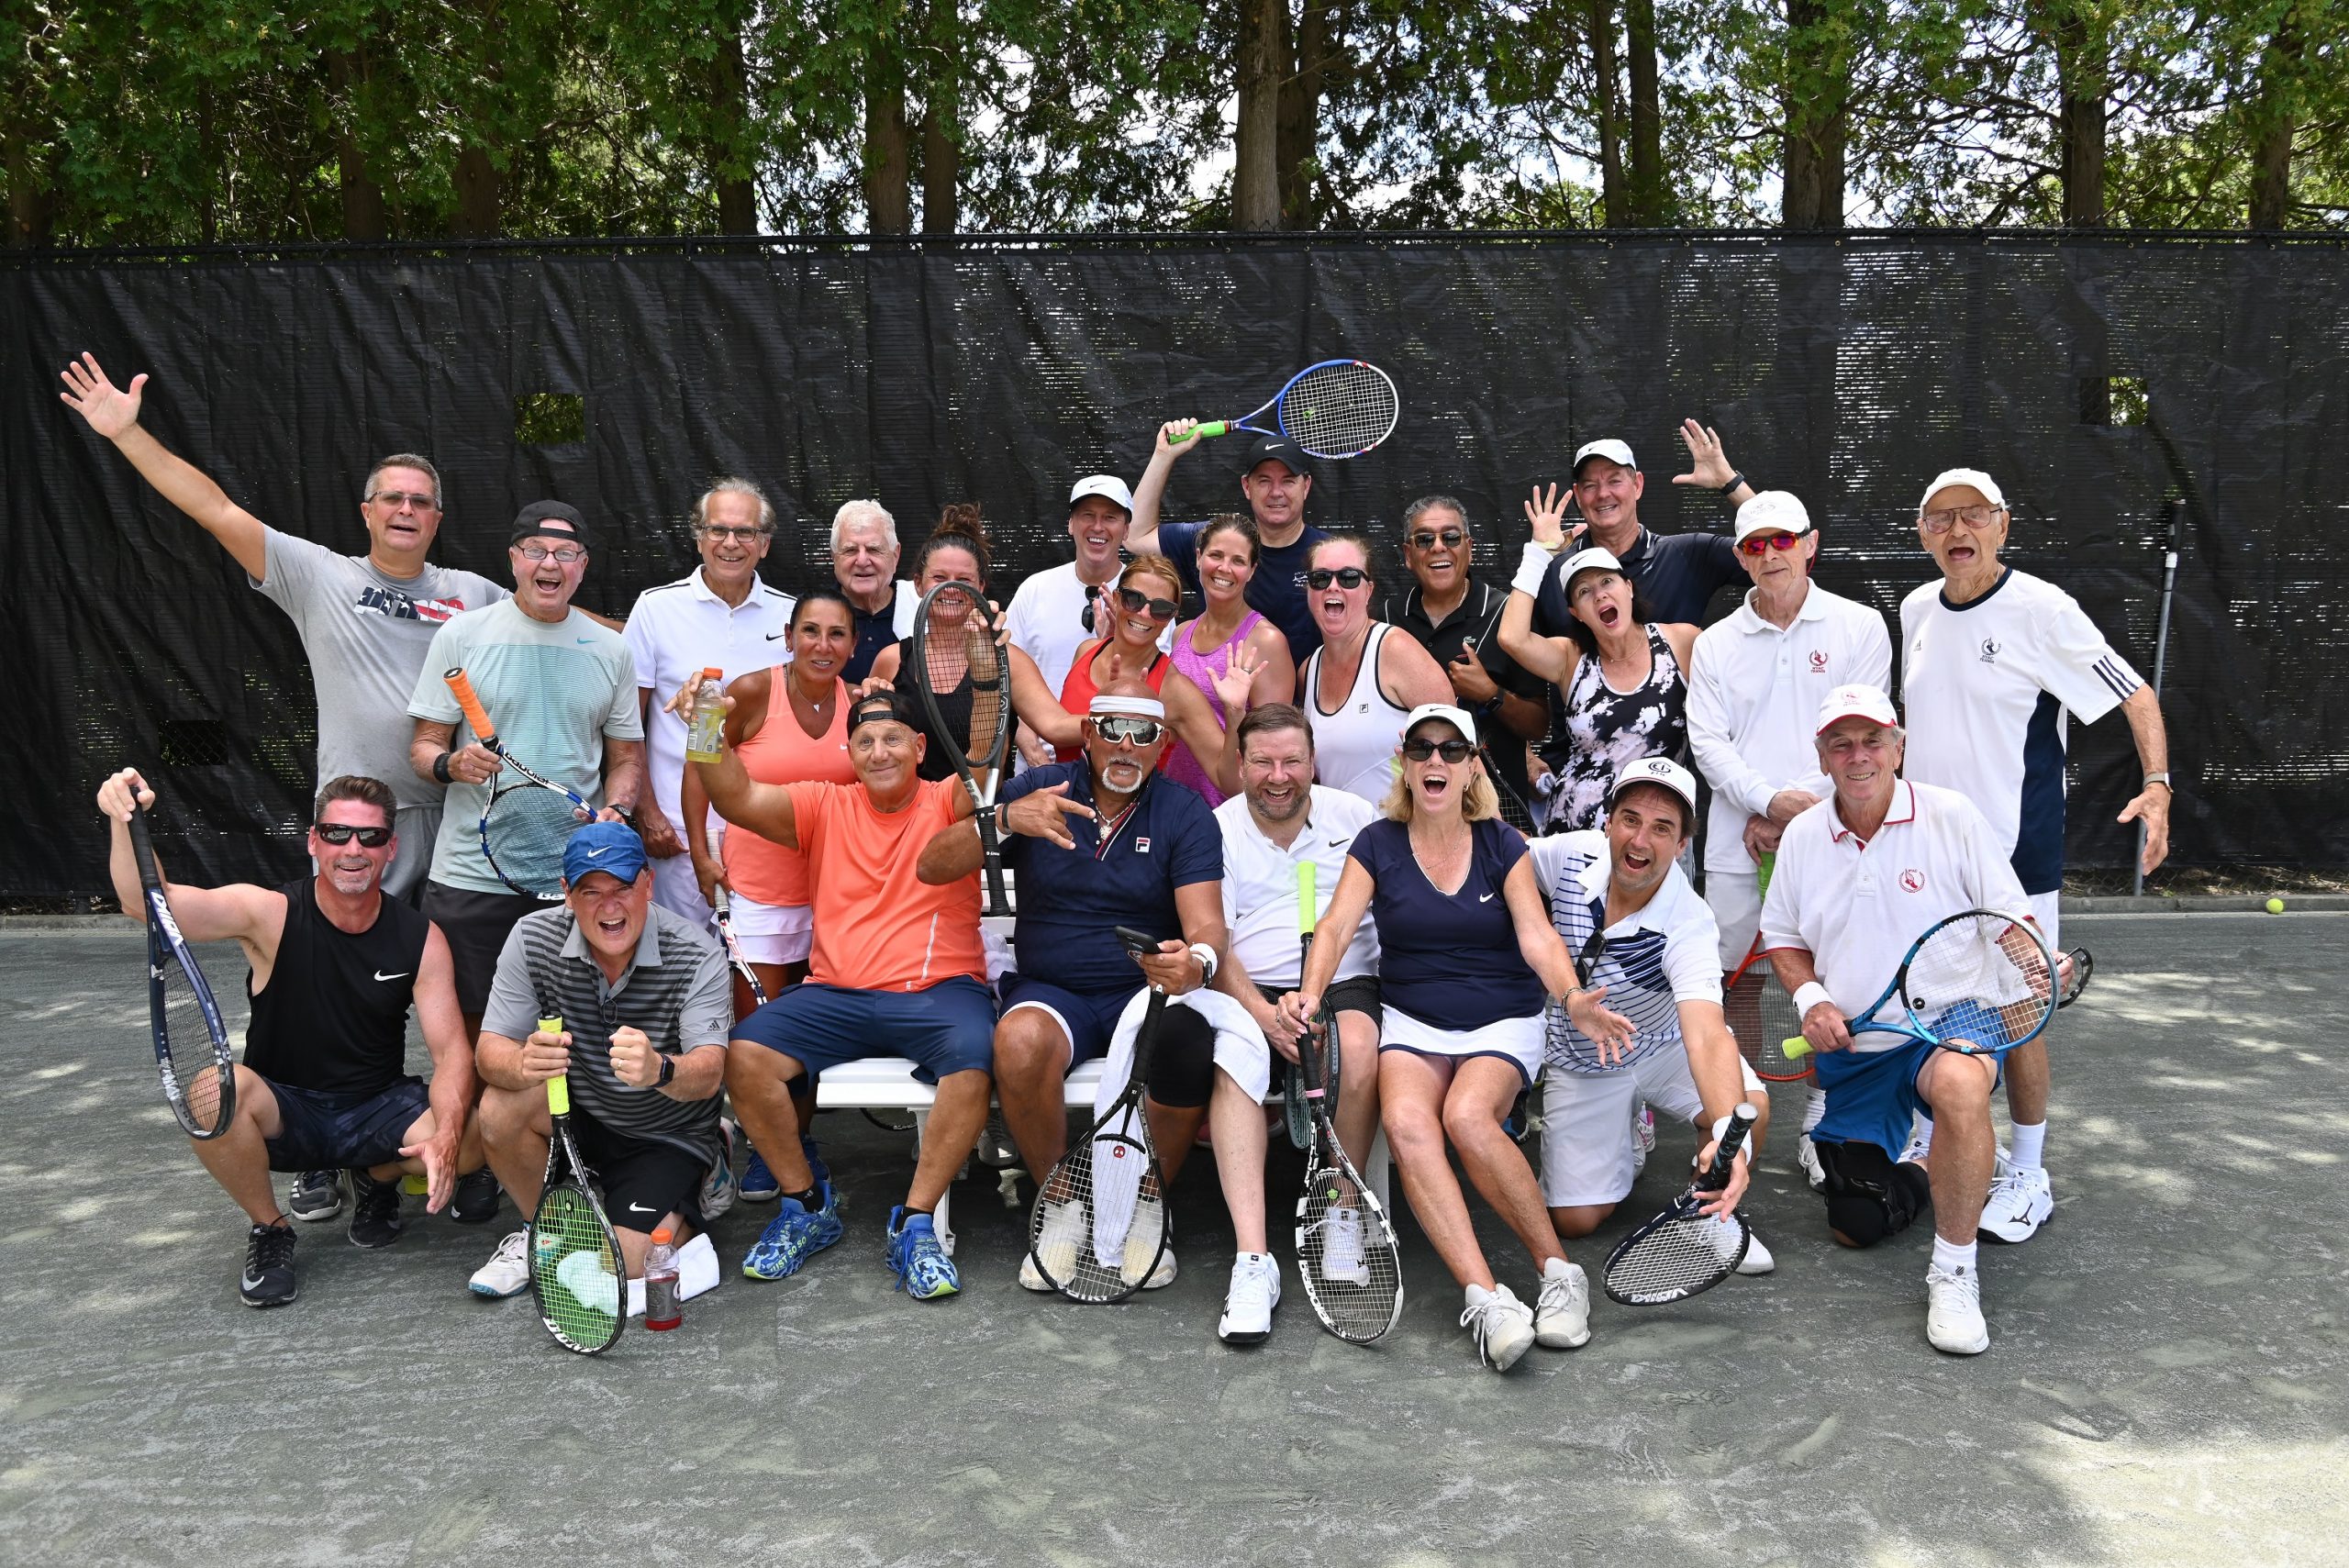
point(1211, 428)
point(1733, 1136)
point(1306, 898)
point(1795, 1045)
point(460, 686)
point(558, 1087)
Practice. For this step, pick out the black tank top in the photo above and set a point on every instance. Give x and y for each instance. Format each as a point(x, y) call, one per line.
point(954, 707)
point(334, 1015)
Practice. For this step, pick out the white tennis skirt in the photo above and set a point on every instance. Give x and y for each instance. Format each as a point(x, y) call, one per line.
point(772, 933)
point(1515, 1040)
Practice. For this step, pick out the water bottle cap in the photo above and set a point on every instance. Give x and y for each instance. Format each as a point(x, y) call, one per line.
point(712, 672)
point(660, 1237)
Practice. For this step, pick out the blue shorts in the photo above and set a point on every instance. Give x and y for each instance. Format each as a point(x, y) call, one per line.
point(1088, 1021)
point(948, 1028)
point(335, 1132)
point(1873, 1098)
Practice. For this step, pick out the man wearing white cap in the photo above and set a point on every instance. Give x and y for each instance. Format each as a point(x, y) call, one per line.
point(1047, 617)
point(1860, 876)
point(1676, 573)
point(1993, 660)
point(1650, 954)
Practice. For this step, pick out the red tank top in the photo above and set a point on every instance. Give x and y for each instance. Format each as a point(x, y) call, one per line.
point(783, 752)
point(1078, 691)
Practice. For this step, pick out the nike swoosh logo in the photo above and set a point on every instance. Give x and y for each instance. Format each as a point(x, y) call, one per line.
point(1485, 899)
point(402, 974)
point(587, 640)
point(253, 1282)
point(597, 854)
point(772, 635)
point(639, 1209)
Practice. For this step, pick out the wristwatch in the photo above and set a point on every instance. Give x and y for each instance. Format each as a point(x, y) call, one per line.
point(2162, 779)
point(668, 1070)
point(1731, 488)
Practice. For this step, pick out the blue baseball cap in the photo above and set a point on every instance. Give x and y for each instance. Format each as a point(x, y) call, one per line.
point(609, 847)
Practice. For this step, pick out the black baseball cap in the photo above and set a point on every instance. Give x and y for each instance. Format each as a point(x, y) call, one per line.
point(1277, 448)
point(548, 519)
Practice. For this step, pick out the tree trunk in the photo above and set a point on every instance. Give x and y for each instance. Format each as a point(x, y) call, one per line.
point(364, 215)
point(1818, 117)
point(1607, 113)
point(1651, 194)
point(889, 153)
point(2274, 124)
point(1256, 166)
point(30, 206)
point(480, 191)
point(941, 123)
point(1300, 113)
point(2081, 69)
point(730, 174)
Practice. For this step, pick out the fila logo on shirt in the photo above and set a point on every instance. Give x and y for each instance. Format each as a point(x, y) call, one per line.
point(1141, 846)
point(1989, 650)
point(1913, 881)
point(1819, 661)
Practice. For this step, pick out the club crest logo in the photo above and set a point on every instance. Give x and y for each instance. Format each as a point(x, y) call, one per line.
point(1819, 661)
point(1989, 650)
point(1118, 1152)
point(1913, 881)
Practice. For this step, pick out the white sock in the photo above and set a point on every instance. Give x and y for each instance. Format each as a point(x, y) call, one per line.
point(1950, 1257)
point(2030, 1146)
point(1923, 1135)
point(1814, 1106)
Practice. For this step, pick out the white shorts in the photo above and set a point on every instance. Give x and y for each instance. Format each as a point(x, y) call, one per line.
point(676, 889)
point(1735, 899)
point(2048, 909)
point(1588, 1152)
point(772, 933)
point(1515, 1040)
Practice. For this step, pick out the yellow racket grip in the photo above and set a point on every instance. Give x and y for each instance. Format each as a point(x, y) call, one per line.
point(1795, 1045)
point(558, 1087)
point(1305, 900)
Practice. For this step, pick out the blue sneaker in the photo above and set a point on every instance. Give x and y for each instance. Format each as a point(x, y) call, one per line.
point(924, 1270)
point(758, 1184)
point(791, 1238)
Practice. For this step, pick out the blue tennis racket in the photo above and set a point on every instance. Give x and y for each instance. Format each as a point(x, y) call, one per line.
point(192, 1051)
point(1337, 409)
point(529, 817)
point(1978, 982)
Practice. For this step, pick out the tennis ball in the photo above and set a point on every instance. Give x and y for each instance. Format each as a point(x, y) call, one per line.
point(2274, 906)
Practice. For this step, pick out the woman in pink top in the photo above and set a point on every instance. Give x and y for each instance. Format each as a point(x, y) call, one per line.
point(1203, 647)
point(790, 724)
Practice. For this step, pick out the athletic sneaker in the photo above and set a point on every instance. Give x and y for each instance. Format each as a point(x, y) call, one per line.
point(474, 1201)
point(996, 1152)
point(923, 1270)
point(316, 1195)
point(1917, 1149)
point(1722, 1231)
point(1643, 1135)
point(508, 1273)
point(1248, 1305)
point(1561, 1312)
point(374, 1211)
point(269, 1263)
point(1342, 1255)
point(1807, 1162)
point(2020, 1203)
point(758, 1184)
point(793, 1237)
point(1141, 1246)
point(717, 1187)
point(1953, 1312)
point(1503, 1326)
point(1060, 1235)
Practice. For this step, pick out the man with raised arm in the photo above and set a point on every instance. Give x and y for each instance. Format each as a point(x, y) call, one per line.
point(1276, 478)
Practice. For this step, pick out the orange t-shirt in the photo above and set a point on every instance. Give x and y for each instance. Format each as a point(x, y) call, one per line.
point(878, 928)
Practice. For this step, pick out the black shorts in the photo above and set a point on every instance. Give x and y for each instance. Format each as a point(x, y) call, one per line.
point(643, 1179)
point(1359, 994)
point(337, 1132)
point(476, 926)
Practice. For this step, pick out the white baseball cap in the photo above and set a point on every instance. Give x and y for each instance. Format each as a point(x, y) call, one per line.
point(1107, 485)
point(1455, 716)
point(1859, 701)
point(1658, 771)
point(1591, 560)
point(1973, 476)
point(1772, 512)
point(1608, 448)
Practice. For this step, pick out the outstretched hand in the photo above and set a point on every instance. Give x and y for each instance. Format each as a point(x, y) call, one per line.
point(1237, 681)
point(1044, 814)
point(1547, 513)
point(1708, 464)
point(110, 410)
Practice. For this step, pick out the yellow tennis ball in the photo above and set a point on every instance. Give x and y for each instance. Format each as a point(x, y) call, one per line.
point(2274, 906)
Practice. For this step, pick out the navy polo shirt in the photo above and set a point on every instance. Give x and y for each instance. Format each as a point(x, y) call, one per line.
point(1071, 901)
point(1676, 574)
point(1277, 590)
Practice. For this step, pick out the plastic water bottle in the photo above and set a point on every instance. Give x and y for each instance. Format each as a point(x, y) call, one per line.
point(710, 719)
point(663, 1309)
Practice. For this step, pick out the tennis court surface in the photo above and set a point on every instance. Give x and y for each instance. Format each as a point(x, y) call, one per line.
point(2168, 1381)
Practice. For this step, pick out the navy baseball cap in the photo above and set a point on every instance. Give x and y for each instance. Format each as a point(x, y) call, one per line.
point(609, 847)
point(1277, 448)
point(548, 519)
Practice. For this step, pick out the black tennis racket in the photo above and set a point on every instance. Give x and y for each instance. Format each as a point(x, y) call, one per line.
point(955, 651)
point(529, 817)
point(1345, 1243)
point(1099, 1226)
point(191, 1043)
point(1682, 1251)
point(1978, 982)
point(1336, 409)
point(576, 1275)
point(2071, 986)
point(1293, 1091)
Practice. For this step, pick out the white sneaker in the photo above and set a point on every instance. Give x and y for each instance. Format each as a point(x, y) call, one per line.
point(1953, 1312)
point(1141, 1245)
point(1062, 1235)
point(1643, 1135)
point(1807, 1161)
point(2019, 1202)
point(1758, 1259)
point(1342, 1257)
point(1916, 1151)
point(718, 1188)
point(1561, 1312)
point(508, 1273)
point(1248, 1305)
point(1720, 1234)
point(1503, 1326)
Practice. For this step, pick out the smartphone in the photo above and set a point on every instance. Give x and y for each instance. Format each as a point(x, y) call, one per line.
point(1137, 942)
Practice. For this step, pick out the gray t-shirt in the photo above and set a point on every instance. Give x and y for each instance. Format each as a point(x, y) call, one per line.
point(366, 632)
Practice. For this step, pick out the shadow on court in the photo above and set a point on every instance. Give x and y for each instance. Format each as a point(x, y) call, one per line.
point(2168, 1381)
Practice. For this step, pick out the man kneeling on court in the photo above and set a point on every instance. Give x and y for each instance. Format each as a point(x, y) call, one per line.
point(1860, 876)
point(644, 999)
point(1650, 947)
point(335, 966)
point(896, 969)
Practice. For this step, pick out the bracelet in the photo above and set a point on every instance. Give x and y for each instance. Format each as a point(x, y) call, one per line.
point(1205, 955)
point(1731, 488)
point(440, 767)
point(1809, 996)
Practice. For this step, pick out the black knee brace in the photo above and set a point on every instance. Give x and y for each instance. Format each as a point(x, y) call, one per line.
point(1869, 1196)
point(1182, 1059)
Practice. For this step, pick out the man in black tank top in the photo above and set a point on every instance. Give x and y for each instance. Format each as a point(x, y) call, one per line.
point(336, 967)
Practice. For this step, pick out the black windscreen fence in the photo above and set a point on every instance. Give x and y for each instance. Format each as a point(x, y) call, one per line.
point(2094, 378)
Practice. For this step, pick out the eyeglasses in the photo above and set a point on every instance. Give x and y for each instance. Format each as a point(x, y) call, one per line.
point(565, 554)
point(1321, 577)
point(343, 832)
point(1942, 522)
point(721, 532)
point(1121, 730)
point(1420, 750)
point(1450, 538)
point(396, 499)
point(1138, 603)
point(1761, 542)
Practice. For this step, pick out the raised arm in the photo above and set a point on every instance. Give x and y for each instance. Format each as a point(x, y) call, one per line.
point(1551, 659)
point(1038, 705)
point(113, 414)
point(240, 912)
point(1174, 438)
point(1709, 466)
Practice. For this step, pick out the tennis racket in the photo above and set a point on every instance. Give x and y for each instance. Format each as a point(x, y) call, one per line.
point(1346, 1245)
point(1977, 982)
point(1681, 1252)
point(577, 1276)
point(191, 1043)
point(1293, 1091)
point(1105, 1197)
point(529, 817)
point(2083, 966)
point(1762, 1017)
point(954, 641)
point(722, 908)
point(1336, 409)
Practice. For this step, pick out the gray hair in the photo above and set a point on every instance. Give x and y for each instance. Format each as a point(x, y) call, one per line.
point(403, 459)
point(855, 512)
point(1426, 503)
point(727, 484)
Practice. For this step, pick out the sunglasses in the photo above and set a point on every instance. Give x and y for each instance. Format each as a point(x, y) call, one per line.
point(1450, 538)
point(1138, 603)
point(1419, 750)
point(1321, 577)
point(1125, 730)
point(343, 832)
point(1761, 542)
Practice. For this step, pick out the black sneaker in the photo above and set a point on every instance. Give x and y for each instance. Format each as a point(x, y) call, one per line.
point(475, 1200)
point(374, 1210)
point(316, 1194)
point(268, 1267)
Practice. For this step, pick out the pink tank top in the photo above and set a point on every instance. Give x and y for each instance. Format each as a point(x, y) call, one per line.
point(783, 752)
point(1202, 670)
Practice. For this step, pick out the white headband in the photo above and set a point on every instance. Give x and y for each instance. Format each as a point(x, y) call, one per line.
point(1103, 706)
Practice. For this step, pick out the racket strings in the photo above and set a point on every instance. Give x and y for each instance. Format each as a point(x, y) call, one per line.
point(522, 838)
point(196, 1061)
point(573, 1271)
point(1096, 1241)
point(1762, 1017)
point(1346, 1255)
point(1677, 1259)
point(1982, 978)
point(1338, 410)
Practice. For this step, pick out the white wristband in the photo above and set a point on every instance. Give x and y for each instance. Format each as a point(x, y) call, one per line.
point(1810, 995)
point(1533, 568)
point(1205, 955)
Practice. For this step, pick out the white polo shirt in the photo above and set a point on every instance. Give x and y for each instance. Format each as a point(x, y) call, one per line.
point(1856, 906)
point(1046, 621)
point(1753, 696)
point(1984, 688)
point(1260, 885)
point(679, 629)
point(1655, 959)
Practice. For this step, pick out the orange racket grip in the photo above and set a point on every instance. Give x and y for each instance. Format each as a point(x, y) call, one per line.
point(460, 686)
